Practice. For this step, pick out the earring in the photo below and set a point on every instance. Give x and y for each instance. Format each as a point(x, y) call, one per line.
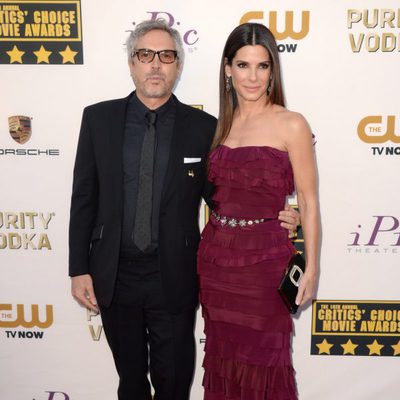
point(228, 84)
point(269, 88)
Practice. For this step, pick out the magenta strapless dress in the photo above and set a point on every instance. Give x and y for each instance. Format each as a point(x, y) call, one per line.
point(247, 326)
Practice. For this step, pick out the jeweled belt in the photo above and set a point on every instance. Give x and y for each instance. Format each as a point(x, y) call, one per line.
point(234, 222)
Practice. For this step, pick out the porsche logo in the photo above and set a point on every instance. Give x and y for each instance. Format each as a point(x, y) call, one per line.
point(20, 128)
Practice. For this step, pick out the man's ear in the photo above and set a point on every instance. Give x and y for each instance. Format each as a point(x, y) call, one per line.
point(180, 68)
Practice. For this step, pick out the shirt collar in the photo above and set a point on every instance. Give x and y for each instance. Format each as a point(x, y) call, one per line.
point(140, 109)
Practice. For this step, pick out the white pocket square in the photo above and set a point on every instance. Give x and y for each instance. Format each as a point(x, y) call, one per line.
point(189, 160)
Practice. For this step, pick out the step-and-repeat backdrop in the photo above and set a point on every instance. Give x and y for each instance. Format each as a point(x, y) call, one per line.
point(341, 70)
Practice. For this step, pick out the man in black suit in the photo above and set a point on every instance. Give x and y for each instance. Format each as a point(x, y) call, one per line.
point(139, 176)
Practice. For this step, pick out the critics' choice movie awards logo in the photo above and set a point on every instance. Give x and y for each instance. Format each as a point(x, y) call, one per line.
point(285, 26)
point(380, 235)
point(355, 328)
point(40, 32)
point(14, 318)
point(26, 230)
point(373, 30)
point(20, 130)
point(378, 131)
point(189, 34)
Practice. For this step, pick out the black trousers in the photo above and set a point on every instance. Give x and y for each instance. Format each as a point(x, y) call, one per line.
point(144, 337)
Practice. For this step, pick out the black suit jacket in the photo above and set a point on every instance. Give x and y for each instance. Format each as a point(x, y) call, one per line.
point(97, 201)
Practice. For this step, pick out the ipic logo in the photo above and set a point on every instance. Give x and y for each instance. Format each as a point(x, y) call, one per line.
point(378, 129)
point(275, 24)
point(382, 237)
point(54, 395)
point(189, 35)
point(377, 29)
point(23, 316)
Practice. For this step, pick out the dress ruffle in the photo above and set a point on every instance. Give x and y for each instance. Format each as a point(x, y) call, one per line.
point(247, 325)
point(257, 169)
point(257, 177)
point(235, 380)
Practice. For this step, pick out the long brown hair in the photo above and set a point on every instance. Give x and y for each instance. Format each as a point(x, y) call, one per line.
point(246, 34)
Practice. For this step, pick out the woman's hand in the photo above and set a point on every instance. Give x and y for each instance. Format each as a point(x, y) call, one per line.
point(307, 288)
point(290, 220)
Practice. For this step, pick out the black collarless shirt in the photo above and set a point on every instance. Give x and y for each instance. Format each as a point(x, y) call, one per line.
point(135, 128)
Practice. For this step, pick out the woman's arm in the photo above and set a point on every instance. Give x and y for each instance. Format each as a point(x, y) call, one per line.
point(299, 142)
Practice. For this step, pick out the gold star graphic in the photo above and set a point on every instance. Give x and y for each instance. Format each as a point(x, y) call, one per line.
point(324, 347)
point(68, 55)
point(349, 347)
point(396, 348)
point(375, 348)
point(42, 55)
point(15, 55)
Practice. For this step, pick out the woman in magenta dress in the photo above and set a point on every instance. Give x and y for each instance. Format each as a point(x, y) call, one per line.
point(261, 152)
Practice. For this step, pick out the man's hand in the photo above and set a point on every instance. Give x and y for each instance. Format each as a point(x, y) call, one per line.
point(82, 291)
point(290, 220)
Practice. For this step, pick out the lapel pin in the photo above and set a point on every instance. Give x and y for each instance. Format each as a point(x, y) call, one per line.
point(191, 173)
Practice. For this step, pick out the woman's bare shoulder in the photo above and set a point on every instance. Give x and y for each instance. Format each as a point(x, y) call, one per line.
point(291, 119)
point(291, 126)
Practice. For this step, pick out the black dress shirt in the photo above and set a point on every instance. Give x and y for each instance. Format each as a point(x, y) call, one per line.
point(135, 128)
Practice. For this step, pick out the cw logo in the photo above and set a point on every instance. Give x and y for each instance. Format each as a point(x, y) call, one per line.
point(289, 24)
point(8, 320)
point(370, 129)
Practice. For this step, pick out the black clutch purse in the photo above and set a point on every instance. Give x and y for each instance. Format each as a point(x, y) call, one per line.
point(289, 285)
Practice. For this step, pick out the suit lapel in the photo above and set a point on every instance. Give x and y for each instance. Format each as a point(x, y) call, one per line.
point(176, 151)
point(116, 131)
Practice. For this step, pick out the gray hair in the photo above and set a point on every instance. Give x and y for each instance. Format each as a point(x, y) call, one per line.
point(150, 25)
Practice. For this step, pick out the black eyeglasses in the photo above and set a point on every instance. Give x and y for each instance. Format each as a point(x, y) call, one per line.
point(147, 56)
